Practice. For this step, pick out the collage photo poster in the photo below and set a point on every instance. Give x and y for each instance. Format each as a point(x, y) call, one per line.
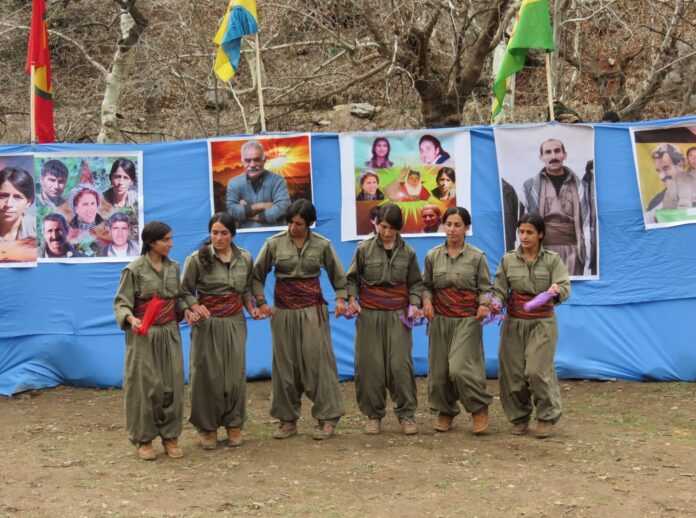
point(256, 179)
point(665, 161)
point(423, 172)
point(89, 207)
point(17, 211)
point(549, 169)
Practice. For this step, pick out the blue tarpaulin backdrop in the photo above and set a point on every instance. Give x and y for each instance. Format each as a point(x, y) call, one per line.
point(635, 323)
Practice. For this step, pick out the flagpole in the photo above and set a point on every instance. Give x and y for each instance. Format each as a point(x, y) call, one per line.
point(548, 87)
point(32, 104)
point(259, 88)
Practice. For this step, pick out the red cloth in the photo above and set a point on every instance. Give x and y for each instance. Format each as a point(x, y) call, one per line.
point(155, 311)
point(516, 302)
point(455, 303)
point(38, 56)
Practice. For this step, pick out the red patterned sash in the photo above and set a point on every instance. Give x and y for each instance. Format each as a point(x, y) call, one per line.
point(384, 298)
point(222, 306)
point(298, 293)
point(455, 303)
point(165, 315)
point(515, 302)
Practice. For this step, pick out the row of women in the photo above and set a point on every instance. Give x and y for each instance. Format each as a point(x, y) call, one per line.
point(383, 288)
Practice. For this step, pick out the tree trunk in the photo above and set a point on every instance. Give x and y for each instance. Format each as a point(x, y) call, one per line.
point(121, 69)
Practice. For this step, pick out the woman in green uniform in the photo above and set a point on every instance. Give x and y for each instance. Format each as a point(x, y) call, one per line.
point(384, 280)
point(457, 284)
point(528, 337)
point(303, 356)
point(217, 285)
point(153, 378)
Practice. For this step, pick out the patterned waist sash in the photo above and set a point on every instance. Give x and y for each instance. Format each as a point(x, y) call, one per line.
point(222, 306)
point(165, 315)
point(298, 293)
point(560, 233)
point(455, 303)
point(515, 302)
point(384, 298)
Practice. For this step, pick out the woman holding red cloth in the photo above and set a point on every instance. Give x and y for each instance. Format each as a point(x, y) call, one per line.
point(384, 280)
point(528, 337)
point(303, 356)
point(217, 286)
point(153, 378)
point(455, 299)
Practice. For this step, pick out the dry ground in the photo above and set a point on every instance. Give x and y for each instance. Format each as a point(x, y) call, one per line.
point(622, 449)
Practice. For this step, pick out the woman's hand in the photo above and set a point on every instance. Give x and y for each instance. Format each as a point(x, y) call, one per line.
point(554, 289)
point(200, 310)
point(428, 309)
point(353, 306)
point(482, 312)
point(265, 311)
point(191, 317)
point(134, 322)
point(340, 307)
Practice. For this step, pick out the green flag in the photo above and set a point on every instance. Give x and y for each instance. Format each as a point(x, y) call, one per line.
point(532, 30)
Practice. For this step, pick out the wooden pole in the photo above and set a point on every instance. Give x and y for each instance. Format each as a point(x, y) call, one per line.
point(548, 87)
point(32, 106)
point(259, 88)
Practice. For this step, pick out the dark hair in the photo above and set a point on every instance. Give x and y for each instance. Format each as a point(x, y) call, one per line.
point(58, 218)
point(611, 116)
point(153, 231)
point(304, 209)
point(445, 171)
point(668, 149)
point(461, 212)
point(374, 145)
point(367, 173)
point(541, 147)
point(54, 167)
point(391, 213)
point(116, 217)
point(692, 148)
point(413, 172)
point(20, 180)
point(435, 142)
point(204, 251)
point(123, 163)
point(532, 218)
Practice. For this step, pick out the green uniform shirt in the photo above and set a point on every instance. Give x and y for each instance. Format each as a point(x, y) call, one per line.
point(514, 273)
point(223, 279)
point(279, 251)
point(468, 271)
point(139, 280)
point(371, 266)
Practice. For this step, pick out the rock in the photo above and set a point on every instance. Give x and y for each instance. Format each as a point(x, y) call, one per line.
point(363, 110)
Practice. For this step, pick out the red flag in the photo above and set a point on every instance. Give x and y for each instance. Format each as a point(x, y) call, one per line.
point(42, 89)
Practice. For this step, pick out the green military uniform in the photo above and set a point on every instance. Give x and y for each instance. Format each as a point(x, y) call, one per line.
point(527, 347)
point(382, 343)
point(456, 363)
point(153, 378)
point(217, 365)
point(303, 356)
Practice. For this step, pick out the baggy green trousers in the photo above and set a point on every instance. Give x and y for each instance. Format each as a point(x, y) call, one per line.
point(153, 383)
point(456, 366)
point(217, 373)
point(526, 369)
point(304, 362)
point(383, 362)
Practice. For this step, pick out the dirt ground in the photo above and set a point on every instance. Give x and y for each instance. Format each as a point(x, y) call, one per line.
point(622, 449)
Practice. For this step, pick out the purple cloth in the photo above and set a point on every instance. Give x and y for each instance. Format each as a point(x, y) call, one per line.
point(539, 300)
point(493, 318)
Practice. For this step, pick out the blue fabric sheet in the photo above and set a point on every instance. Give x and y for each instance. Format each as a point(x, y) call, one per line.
point(633, 323)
